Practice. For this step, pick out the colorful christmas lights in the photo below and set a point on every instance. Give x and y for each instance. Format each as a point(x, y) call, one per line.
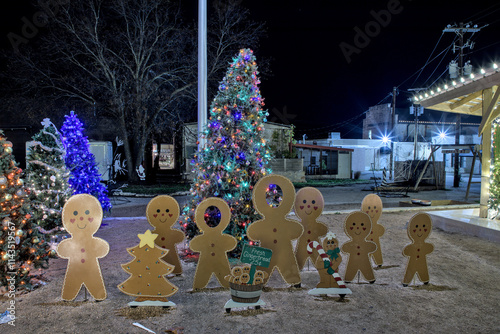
point(235, 156)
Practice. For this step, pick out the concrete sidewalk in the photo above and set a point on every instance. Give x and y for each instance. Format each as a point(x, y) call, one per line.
point(339, 198)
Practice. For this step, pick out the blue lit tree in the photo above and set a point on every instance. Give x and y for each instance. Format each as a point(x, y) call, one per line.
point(236, 155)
point(85, 177)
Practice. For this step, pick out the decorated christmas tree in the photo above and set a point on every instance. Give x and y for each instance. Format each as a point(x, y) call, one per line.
point(85, 177)
point(47, 179)
point(147, 270)
point(22, 248)
point(235, 156)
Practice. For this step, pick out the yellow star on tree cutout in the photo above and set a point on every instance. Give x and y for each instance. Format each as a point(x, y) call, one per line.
point(147, 238)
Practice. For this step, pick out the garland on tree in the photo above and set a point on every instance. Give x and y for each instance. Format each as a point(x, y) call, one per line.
point(494, 199)
point(85, 177)
point(47, 179)
point(235, 156)
point(22, 247)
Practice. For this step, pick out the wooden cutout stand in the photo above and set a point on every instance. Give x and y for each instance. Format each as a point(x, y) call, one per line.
point(134, 304)
point(230, 304)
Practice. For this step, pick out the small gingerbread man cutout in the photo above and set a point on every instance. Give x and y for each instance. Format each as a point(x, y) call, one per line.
point(162, 213)
point(419, 229)
point(357, 227)
point(331, 248)
point(212, 244)
point(309, 205)
point(372, 206)
point(81, 217)
point(275, 231)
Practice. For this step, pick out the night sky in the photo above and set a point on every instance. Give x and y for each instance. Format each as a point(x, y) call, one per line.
point(310, 76)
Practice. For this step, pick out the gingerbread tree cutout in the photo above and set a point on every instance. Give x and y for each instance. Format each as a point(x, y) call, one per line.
point(212, 244)
point(419, 229)
point(372, 206)
point(327, 263)
point(275, 231)
point(147, 272)
point(82, 216)
point(357, 226)
point(309, 204)
point(162, 213)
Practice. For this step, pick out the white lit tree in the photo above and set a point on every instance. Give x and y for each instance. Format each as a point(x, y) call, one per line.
point(47, 178)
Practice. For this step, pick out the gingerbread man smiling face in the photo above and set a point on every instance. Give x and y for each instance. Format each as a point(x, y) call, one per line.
point(309, 203)
point(372, 206)
point(82, 220)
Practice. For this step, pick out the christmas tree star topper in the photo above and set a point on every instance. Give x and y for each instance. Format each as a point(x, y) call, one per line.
point(147, 238)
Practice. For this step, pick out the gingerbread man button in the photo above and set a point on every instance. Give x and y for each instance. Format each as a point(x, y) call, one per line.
point(309, 205)
point(162, 213)
point(275, 231)
point(357, 227)
point(212, 244)
point(81, 217)
point(419, 229)
point(372, 206)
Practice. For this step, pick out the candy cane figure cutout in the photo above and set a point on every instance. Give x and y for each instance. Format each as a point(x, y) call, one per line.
point(327, 264)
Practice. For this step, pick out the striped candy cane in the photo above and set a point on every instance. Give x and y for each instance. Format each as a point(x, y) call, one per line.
point(326, 259)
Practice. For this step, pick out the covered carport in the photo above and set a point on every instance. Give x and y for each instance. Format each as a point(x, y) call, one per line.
point(476, 95)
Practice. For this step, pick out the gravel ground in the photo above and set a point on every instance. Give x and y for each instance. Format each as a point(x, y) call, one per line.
point(463, 294)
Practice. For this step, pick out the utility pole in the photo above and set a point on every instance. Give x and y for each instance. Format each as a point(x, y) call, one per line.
point(460, 31)
point(417, 111)
point(202, 71)
point(392, 133)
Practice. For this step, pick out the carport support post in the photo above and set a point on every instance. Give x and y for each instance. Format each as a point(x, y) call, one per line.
point(486, 157)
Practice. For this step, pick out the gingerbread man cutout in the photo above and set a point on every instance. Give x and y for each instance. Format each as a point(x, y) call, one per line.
point(212, 244)
point(162, 213)
point(81, 217)
point(275, 231)
point(372, 206)
point(331, 248)
point(309, 205)
point(419, 229)
point(357, 227)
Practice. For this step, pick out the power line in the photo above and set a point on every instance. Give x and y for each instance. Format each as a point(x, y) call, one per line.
point(427, 62)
